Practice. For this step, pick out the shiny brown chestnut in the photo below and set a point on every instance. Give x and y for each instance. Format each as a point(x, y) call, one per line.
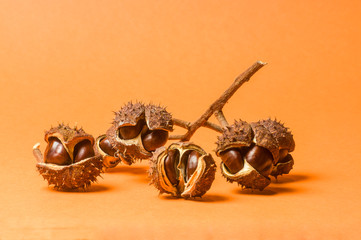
point(192, 163)
point(233, 159)
point(189, 166)
point(83, 150)
point(130, 132)
point(107, 147)
point(170, 164)
point(56, 153)
point(154, 139)
point(260, 159)
point(104, 148)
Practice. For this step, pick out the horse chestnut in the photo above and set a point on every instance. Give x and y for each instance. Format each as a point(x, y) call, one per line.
point(138, 130)
point(286, 145)
point(56, 153)
point(154, 139)
point(83, 150)
point(233, 159)
point(182, 170)
point(69, 160)
point(250, 152)
point(104, 148)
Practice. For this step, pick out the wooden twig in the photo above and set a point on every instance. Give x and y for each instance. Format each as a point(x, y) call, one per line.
point(222, 100)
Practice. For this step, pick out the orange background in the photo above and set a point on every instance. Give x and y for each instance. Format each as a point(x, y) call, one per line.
point(77, 61)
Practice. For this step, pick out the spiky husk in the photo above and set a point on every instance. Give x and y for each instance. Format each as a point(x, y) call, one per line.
point(236, 135)
point(129, 114)
point(205, 183)
point(129, 153)
point(281, 133)
point(263, 138)
point(242, 134)
point(79, 175)
point(153, 173)
point(248, 177)
point(156, 117)
point(200, 185)
point(282, 168)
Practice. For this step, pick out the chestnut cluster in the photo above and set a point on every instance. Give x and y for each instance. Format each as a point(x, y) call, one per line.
point(252, 152)
point(137, 131)
point(249, 152)
point(57, 153)
point(70, 161)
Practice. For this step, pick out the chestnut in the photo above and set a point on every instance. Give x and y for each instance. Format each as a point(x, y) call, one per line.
point(56, 153)
point(233, 159)
point(107, 147)
point(170, 164)
point(192, 163)
point(130, 132)
point(154, 139)
point(83, 150)
point(261, 159)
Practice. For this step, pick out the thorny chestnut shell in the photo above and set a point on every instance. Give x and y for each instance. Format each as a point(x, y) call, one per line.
point(69, 160)
point(138, 130)
point(250, 153)
point(286, 145)
point(182, 170)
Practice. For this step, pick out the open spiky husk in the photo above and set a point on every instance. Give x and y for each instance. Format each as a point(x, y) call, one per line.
point(131, 150)
point(242, 134)
point(79, 175)
point(248, 177)
point(200, 181)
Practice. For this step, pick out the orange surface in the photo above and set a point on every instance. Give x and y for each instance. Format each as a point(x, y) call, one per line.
point(77, 61)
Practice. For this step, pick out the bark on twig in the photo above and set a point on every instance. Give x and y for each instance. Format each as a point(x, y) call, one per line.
point(222, 100)
point(187, 125)
point(221, 118)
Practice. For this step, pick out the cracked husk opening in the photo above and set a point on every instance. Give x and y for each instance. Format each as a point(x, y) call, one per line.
point(78, 175)
point(282, 168)
point(248, 177)
point(199, 182)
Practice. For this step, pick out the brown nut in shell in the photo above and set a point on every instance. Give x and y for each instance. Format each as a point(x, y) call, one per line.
point(286, 145)
point(248, 152)
point(138, 130)
point(104, 148)
point(69, 160)
point(182, 170)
